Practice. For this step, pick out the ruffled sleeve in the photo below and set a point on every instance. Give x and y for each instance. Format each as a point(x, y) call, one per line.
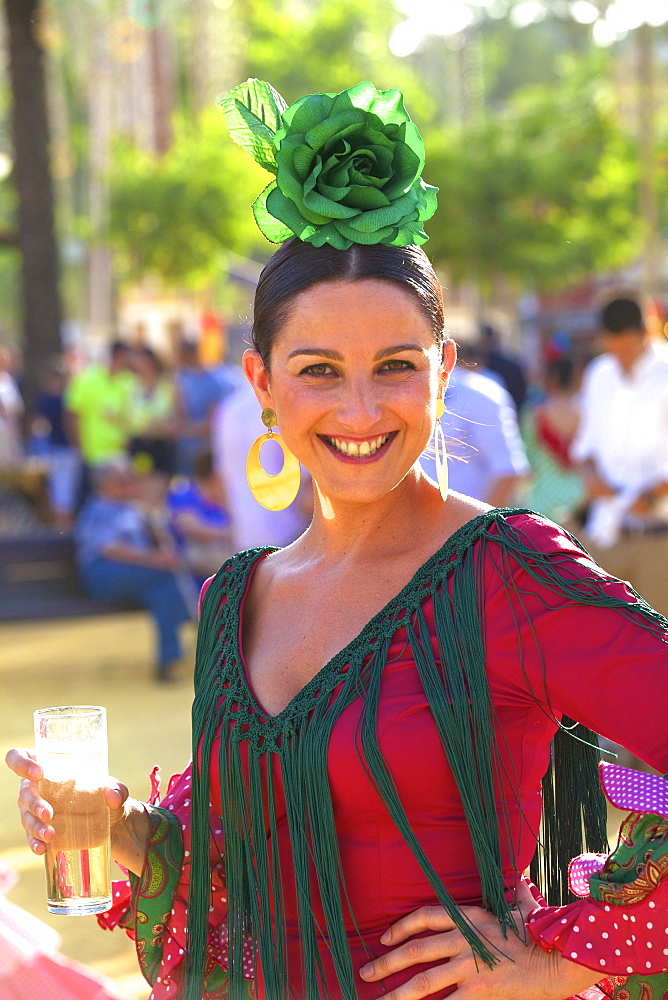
point(152, 907)
point(620, 927)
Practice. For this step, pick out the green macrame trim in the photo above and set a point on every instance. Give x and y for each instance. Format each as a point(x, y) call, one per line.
point(294, 745)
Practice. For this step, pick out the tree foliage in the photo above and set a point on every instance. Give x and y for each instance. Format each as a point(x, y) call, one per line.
point(543, 193)
point(175, 216)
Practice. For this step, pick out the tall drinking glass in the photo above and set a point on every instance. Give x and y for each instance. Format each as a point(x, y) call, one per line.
point(71, 747)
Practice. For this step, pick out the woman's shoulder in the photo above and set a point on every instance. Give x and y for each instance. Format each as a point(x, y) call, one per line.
point(234, 572)
point(471, 521)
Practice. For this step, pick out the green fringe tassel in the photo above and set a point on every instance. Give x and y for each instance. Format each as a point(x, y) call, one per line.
point(574, 811)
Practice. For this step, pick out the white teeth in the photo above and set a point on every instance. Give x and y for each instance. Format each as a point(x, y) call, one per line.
point(363, 449)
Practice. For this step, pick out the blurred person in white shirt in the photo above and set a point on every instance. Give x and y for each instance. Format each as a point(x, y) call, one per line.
point(622, 445)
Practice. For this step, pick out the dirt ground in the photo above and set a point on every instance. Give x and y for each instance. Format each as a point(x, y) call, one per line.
point(100, 661)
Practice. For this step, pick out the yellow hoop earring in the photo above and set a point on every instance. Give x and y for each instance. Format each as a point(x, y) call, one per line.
point(440, 452)
point(273, 492)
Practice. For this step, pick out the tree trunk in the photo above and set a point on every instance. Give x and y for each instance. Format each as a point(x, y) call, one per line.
point(32, 177)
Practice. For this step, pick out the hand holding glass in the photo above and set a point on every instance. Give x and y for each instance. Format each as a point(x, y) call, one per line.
point(71, 747)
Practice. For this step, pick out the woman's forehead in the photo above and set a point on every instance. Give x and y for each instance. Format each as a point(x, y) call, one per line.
point(363, 312)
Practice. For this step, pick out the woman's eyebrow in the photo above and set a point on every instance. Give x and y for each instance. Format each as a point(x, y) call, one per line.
point(397, 349)
point(324, 352)
point(320, 352)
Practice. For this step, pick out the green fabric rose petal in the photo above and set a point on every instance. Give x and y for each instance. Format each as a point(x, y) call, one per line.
point(347, 165)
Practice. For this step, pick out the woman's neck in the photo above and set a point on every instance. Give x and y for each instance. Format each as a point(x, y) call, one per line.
point(403, 519)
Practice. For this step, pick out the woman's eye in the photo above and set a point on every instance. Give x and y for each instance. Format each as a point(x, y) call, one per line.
point(317, 370)
point(397, 365)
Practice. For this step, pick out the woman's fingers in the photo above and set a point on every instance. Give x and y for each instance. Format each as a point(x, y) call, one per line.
point(424, 984)
point(428, 918)
point(22, 762)
point(417, 951)
point(116, 796)
point(35, 815)
point(34, 810)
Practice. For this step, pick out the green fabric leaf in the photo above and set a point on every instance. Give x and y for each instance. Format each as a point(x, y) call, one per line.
point(282, 208)
point(307, 112)
point(379, 218)
point(368, 239)
point(314, 202)
point(267, 222)
point(430, 204)
point(388, 105)
point(253, 116)
point(337, 192)
point(338, 126)
point(365, 198)
point(330, 234)
point(302, 159)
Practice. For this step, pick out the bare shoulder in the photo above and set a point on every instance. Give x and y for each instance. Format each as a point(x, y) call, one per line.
point(460, 509)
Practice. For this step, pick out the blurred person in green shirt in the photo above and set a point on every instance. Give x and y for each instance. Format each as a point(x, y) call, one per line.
point(97, 403)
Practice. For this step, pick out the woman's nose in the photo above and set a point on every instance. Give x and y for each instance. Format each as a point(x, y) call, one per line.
point(360, 407)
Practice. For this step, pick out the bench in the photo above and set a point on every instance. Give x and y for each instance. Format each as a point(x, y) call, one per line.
point(38, 579)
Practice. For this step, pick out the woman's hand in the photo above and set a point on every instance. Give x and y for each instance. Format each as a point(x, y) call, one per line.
point(129, 820)
point(523, 972)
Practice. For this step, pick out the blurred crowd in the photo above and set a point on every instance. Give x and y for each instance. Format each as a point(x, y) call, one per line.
point(145, 463)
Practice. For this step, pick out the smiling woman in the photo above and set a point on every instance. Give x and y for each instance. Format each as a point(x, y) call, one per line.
point(375, 704)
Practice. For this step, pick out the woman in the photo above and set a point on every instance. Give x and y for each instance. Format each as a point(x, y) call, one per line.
point(151, 416)
point(548, 430)
point(375, 703)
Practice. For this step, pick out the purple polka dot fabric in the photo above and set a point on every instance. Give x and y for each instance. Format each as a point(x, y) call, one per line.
point(580, 869)
point(634, 791)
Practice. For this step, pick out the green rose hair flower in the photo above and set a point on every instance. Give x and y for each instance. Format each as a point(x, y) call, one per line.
point(347, 165)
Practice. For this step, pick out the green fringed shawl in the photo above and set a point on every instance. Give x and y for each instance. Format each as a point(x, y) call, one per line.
point(455, 685)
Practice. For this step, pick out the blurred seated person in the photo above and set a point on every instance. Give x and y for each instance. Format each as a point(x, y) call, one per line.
point(151, 416)
point(49, 441)
point(198, 519)
point(121, 559)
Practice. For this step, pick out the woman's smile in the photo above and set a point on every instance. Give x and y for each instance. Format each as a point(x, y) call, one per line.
point(359, 450)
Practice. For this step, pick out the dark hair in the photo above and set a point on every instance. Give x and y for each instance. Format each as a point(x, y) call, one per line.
point(560, 372)
point(150, 355)
point(621, 315)
point(203, 467)
point(188, 348)
point(118, 347)
point(298, 266)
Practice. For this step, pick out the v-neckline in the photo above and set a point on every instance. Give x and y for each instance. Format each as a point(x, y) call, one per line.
point(469, 530)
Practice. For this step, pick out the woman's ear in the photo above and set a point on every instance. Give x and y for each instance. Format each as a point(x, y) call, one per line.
point(448, 361)
point(258, 376)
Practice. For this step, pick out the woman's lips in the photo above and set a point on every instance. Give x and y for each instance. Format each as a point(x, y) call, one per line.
point(358, 452)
